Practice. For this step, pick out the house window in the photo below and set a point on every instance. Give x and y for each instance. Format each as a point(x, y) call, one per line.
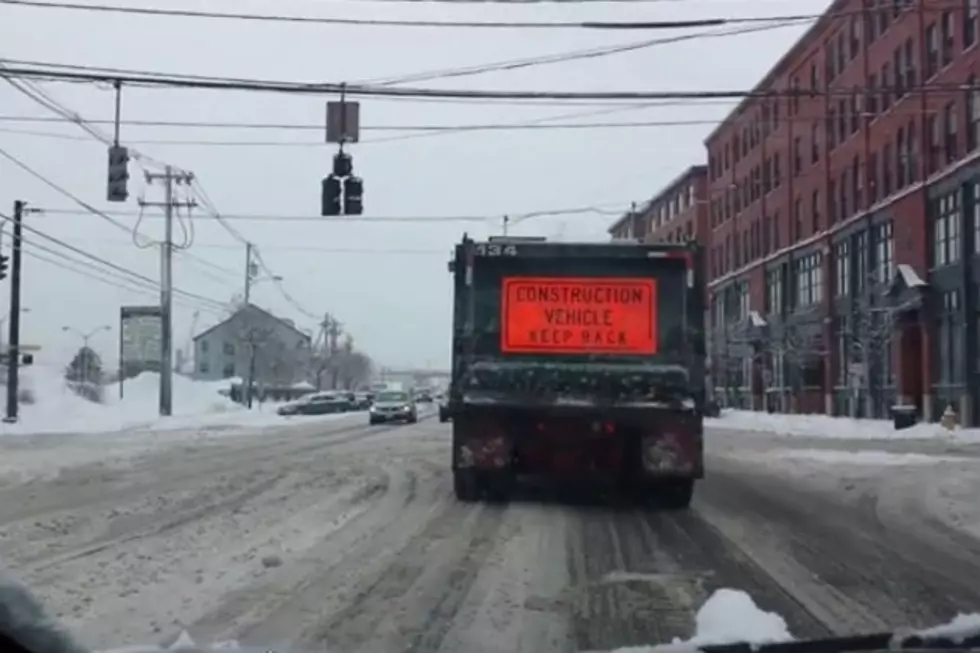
point(228, 371)
point(934, 143)
point(229, 348)
point(946, 230)
point(842, 258)
point(884, 253)
point(204, 346)
point(203, 367)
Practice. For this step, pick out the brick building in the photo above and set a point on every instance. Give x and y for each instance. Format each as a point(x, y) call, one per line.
point(678, 212)
point(844, 246)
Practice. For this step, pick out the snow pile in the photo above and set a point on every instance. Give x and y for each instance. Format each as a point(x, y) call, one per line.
point(832, 427)
point(57, 409)
point(728, 616)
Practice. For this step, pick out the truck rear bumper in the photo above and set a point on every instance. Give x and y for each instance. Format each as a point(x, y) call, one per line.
point(624, 445)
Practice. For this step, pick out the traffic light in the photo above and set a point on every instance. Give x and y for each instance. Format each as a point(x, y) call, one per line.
point(353, 196)
point(343, 164)
point(118, 186)
point(4, 264)
point(331, 196)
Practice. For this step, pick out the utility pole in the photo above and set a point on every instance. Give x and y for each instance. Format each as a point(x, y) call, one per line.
point(170, 179)
point(333, 333)
point(13, 338)
point(248, 272)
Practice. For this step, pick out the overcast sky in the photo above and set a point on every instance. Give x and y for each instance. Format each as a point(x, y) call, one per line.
point(385, 280)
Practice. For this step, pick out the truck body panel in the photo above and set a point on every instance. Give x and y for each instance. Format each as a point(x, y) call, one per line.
point(577, 360)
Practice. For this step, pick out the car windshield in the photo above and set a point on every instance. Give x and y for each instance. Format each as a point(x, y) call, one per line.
point(392, 396)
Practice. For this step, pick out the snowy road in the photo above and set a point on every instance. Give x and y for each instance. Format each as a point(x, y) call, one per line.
point(345, 536)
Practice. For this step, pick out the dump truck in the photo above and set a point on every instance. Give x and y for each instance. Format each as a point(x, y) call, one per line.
point(577, 361)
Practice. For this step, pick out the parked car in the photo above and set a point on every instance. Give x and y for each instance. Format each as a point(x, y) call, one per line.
point(443, 408)
point(318, 403)
point(393, 406)
point(363, 400)
point(424, 397)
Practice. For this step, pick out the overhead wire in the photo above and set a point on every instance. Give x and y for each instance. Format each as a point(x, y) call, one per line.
point(382, 22)
point(130, 275)
point(161, 80)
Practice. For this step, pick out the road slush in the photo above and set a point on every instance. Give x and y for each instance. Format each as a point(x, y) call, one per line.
point(577, 361)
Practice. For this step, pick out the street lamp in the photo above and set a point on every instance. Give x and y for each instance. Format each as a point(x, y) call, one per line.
point(86, 336)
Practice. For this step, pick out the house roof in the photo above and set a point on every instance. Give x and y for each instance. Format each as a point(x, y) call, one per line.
point(254, 308)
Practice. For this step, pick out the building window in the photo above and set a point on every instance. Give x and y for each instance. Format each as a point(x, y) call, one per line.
point(797, 233)
point(842, 258)
point(884, 253)
point(229, 348)
point(814, 142)
point(947, 37)
point(949, 135)
point(911, 151)
point(815, 211)
point(202, 367)
point(971, 13)
point(774, 291)
point(797, 155)
point(910, 64)
point(932, 51)
point(934, 143)
point(946, 230)
point(228, 371)
point(204, 346)
point(901, 176)
point(972, 115)
point(886, 170)
point(886, 94)
point(949, 339)
point(872, 177)
point(975, 190)
point(871, 97)
point(859, 277)
point(809, 280)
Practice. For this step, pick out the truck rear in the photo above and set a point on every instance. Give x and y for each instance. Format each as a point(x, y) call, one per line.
point(577, 361)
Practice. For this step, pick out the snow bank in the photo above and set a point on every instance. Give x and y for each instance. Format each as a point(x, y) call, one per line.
point(56, 409)
point(832, 427)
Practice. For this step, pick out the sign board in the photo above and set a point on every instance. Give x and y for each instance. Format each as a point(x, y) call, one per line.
point(140, 335)
point(562, 315)
point(343, 122)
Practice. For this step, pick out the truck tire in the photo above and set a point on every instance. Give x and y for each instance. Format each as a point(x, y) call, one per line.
point(499, 486)
point(677, 494)
point(466, 486)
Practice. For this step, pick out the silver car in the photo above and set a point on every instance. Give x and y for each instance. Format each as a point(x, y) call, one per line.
point(393, 406)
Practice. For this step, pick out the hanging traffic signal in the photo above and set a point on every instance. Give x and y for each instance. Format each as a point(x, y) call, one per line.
point(118, 186)
point(343, 164)
point(4, 264)
point(331, 196)
point(353, 196)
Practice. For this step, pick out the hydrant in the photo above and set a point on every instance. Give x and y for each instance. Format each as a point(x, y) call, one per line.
point(948, 420)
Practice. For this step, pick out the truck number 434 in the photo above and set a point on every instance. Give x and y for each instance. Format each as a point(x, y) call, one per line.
point(496, 250)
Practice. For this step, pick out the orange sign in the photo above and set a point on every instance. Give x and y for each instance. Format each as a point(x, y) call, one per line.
point(561, 315)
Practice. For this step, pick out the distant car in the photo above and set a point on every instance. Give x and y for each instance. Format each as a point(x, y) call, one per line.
point(363, 400)
point(443, 408)
point(393, 406)
point(318, 403)
point(424, 397)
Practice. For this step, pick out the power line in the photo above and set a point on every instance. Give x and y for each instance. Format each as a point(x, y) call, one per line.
point(161, 80)
point(382, 251)
point(376, 22)
point(130, 275)
point(408, 219)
